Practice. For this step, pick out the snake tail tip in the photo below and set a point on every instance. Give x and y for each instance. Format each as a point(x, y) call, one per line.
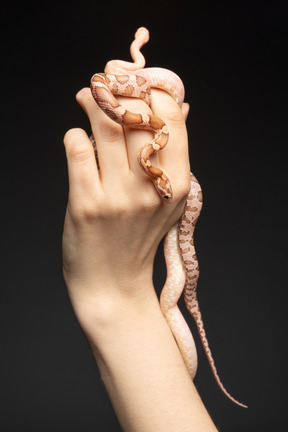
point(239, 403)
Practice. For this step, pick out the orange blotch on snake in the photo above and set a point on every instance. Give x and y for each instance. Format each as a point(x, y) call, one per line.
point(132, 118)
point(140, 80)
point(191, 209)
point(100, 77)
point(122, 79)
point(156, 172)
point(200, 196)
point(162, 140)
point(156, 122)
point(129, 90)
point(114, 88)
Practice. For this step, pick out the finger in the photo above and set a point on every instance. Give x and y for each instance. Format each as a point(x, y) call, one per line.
point(174, 158)
point(185, 110)
point(109, 137)
point(82, 168)
point(136, 138)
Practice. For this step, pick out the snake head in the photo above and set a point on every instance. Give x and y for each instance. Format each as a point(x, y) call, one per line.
point(163, 187)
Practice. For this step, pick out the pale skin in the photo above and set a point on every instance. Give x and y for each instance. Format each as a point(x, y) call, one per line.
point(114, 222)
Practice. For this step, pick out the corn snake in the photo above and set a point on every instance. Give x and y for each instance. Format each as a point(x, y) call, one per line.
point(131, 79)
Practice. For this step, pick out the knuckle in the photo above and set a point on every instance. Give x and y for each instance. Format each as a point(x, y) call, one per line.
point(119, 208)
point(148, 204)
point(102, 209)
point(110, 131)
point(83, 212)
point(89, 211)
point(80, 153)
point(184, 188)
point(175, 119)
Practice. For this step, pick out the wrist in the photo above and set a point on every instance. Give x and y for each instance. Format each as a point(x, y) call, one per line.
point(140, 364)
point(98, 312)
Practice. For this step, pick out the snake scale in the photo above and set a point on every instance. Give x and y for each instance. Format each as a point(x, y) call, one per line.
point(131, 79)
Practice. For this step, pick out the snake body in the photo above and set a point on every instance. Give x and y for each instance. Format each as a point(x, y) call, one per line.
point(131, 79)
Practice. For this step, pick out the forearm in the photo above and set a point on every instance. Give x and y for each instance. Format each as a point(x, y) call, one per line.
point(141, 367)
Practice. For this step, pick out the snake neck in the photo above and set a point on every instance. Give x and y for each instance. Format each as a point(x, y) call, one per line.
point(121, 66)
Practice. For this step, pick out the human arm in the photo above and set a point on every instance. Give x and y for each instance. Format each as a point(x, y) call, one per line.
point(113, 226)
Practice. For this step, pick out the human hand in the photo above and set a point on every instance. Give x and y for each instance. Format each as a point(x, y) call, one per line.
point(115, 219)
point(114, 222)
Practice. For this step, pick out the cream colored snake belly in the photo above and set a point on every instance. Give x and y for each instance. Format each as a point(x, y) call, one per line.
point(131, 79)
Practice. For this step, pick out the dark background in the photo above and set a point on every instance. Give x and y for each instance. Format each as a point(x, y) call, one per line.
point(232, 57)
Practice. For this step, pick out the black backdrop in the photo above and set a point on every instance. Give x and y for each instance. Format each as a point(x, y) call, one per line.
point(231, 57)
